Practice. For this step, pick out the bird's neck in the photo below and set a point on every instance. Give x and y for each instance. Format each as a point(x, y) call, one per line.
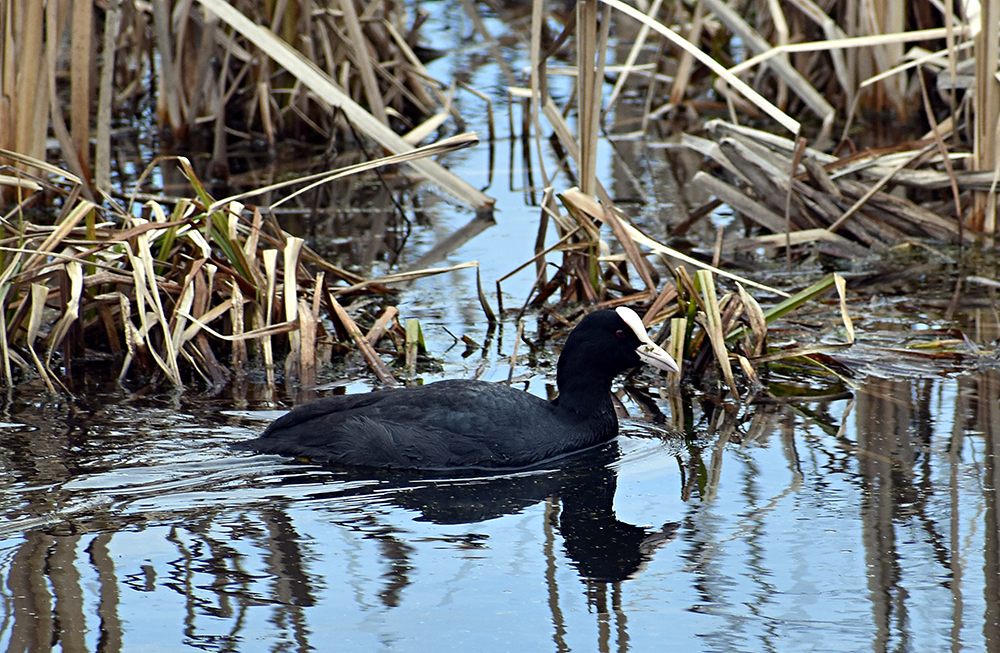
point(583, 396)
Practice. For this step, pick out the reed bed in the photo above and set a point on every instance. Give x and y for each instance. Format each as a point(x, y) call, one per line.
point(175, 286)
point(705, 331)
point(202, 288)
point(848, 61)
point(225, 72)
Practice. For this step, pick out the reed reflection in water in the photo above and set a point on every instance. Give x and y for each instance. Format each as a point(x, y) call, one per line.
point(864, 524)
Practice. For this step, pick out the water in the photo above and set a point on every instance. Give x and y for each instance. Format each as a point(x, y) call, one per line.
point(870, 522)
point(833, 526)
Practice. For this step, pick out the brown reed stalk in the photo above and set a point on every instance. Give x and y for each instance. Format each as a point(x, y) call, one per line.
point(22, 75)
point(987, 113)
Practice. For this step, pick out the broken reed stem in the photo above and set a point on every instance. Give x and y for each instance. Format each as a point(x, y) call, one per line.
point(513, 355)
point(293, 246)
point(879, 185)
point(239, 357)
point(367, 351)
point(381, 325)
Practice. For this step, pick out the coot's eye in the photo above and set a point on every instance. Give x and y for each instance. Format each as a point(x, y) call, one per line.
point(620, 333)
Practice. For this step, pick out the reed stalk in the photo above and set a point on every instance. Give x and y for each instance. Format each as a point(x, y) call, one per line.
point(987, 114)
point(22, 75)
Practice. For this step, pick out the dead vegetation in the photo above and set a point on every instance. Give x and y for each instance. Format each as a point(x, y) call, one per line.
point(185, 288)
point(168, 289)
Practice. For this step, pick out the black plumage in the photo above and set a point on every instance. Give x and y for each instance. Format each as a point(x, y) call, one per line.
point(464, 423)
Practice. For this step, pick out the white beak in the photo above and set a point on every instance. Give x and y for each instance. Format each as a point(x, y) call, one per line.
point(649, 352)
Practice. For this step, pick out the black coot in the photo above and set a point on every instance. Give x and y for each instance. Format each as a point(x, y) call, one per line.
point(463, 423)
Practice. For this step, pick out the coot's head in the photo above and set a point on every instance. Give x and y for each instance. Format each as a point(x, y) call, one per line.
point(607, 343)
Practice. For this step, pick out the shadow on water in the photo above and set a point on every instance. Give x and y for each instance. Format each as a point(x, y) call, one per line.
point(856, 522)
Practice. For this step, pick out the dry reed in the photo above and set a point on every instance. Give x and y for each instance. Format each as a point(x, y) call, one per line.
point(178, 279)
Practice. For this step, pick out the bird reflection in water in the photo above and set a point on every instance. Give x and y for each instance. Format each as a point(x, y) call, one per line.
point(580, 488)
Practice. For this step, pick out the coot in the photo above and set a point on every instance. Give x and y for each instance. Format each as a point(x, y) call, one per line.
point(464, 423)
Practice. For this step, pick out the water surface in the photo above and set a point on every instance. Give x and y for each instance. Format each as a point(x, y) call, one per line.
point(844, 525)
point(860, 522)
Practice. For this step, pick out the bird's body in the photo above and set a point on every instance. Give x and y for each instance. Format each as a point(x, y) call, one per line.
point(463, 423)
point(444, 424)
